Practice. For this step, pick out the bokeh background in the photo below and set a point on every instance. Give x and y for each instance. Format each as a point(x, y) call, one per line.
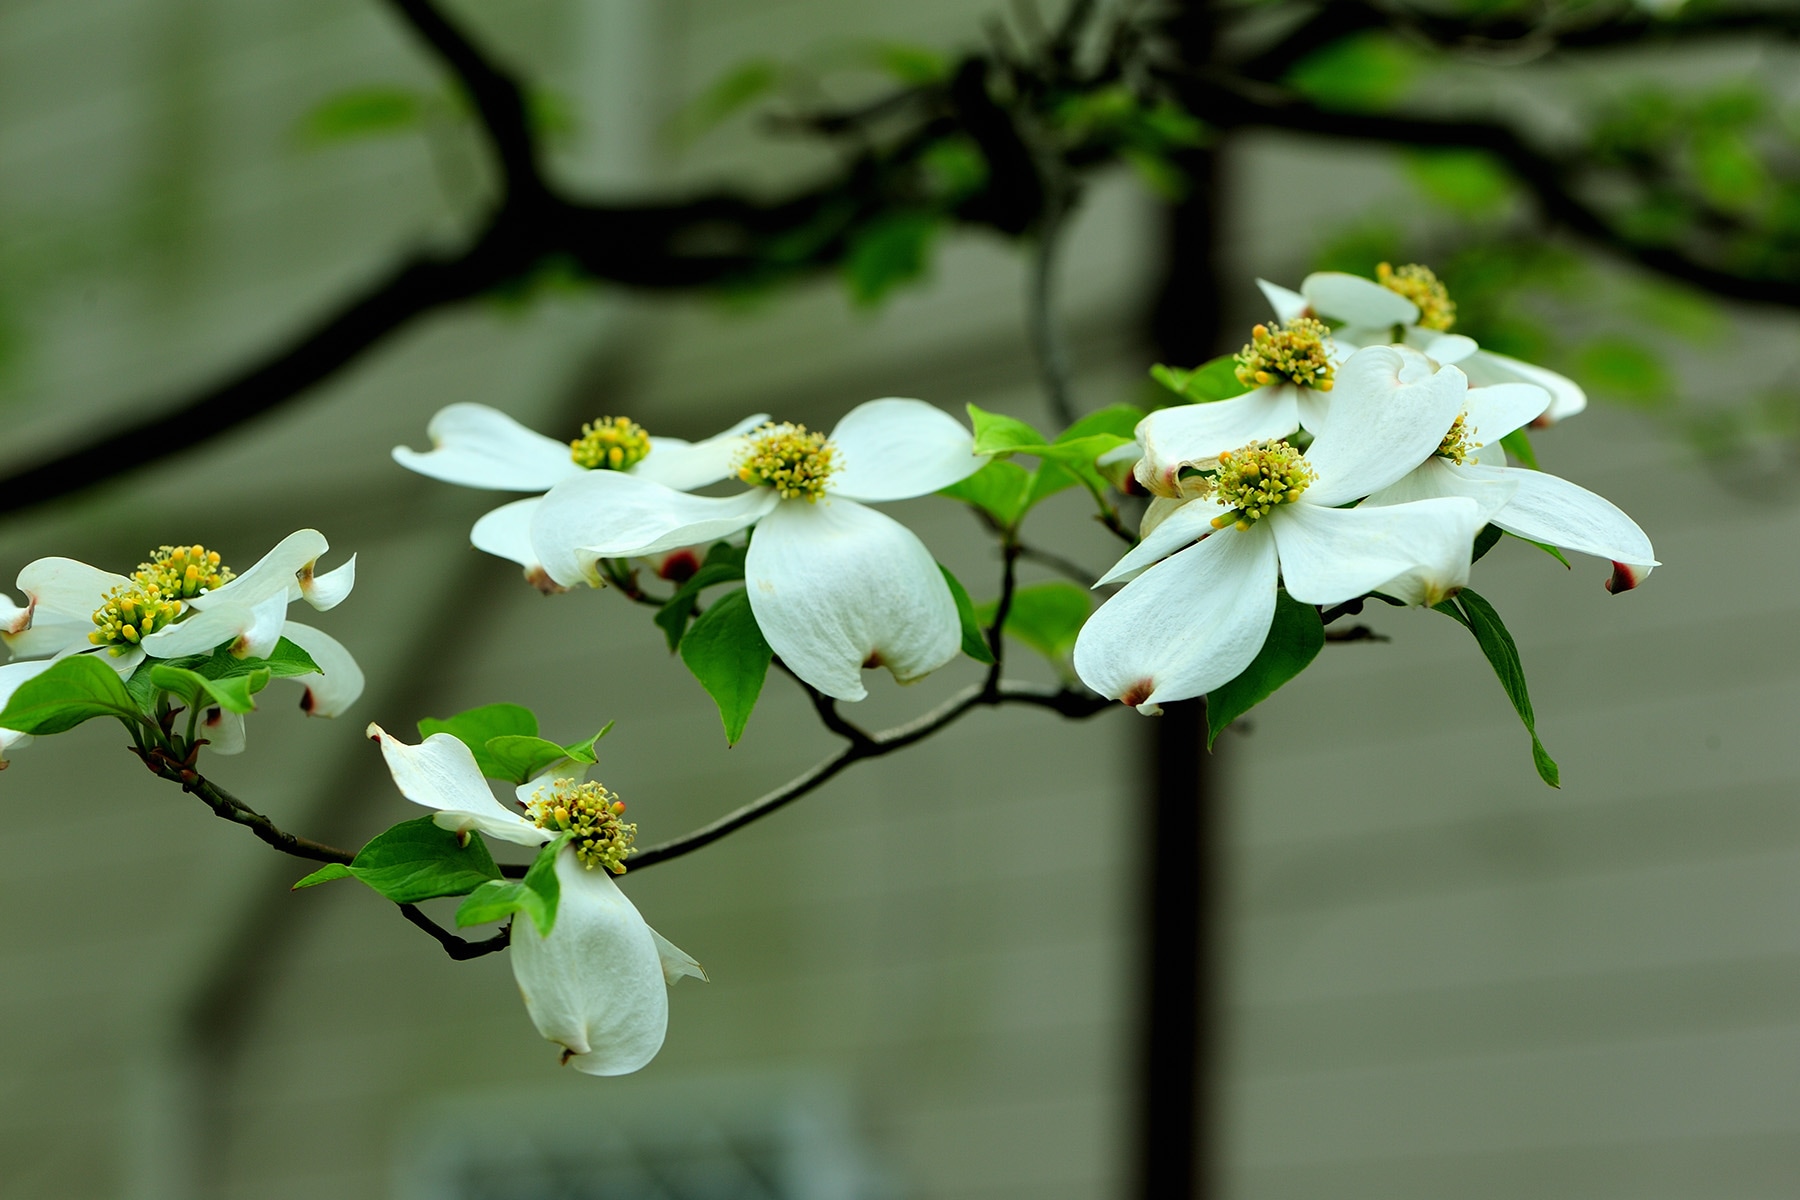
point(1442, 978)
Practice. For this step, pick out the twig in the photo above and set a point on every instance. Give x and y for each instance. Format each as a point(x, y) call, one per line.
point(1073, 704)
point(459, 948)
point(996, 637)
point(827, 708)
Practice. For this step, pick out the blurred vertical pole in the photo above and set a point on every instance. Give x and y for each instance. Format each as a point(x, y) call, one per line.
point(1177, 1122)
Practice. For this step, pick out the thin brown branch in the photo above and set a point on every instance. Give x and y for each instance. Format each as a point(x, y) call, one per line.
point(1072, 704)
point(459, 948)
point(229, 807)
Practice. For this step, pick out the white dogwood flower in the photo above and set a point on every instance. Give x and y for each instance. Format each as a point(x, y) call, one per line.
point(835, 586)
point(1196, 618)
point(597, 983)
point(1412, 298)
point(1531, 504)
point(480, 447)
point(182, 601)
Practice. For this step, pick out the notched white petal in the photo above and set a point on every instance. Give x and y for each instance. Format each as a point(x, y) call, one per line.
point(481, 447)
point(65, 586)
point(677, 964)
point(1194, 435)
point(1330, 555)
point(1286, 302)
point(339, 681)
point(894, 449)
point(1390, 410)
point(275, 573)
point(595, 986)
point(441, 773)
point(609, 514)
point(685, 466)
point(1356, 301)
point(327, 591)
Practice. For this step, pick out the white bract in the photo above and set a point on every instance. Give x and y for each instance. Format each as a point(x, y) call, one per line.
point(481, 447)
point(1417, 303)
point(835, 587)
point(1196, 618)
point(1530, 504)
point(1291, 369)
point(183, 602)
point(597, 984)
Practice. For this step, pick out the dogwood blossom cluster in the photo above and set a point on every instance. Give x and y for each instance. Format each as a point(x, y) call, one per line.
point(1362, 461)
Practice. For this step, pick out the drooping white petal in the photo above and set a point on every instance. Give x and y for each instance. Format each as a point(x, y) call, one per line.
point(327, 591)
point(1546, 508)
point(1390, 409)
point(677, 964)
point(609, 514)
point(1499, 408)
point(440, 773)
point(1329, 555)
point(1185, 626)
point(50, 632)
point(1356, 301)
point(12, 739)
point(895, 449)
point(223, 730)
point(13, 619)
point(1445, 348)
point(1437, 477)
point(505, 532)
point(1287, 303)
point(1196, 434)
point(481, 447)
point(275, 573)
point(685, 466)
point(836, 586)
point(1186, 524)
point(1566, 396)
point(62, 585)
point(595, 985)
point(339, 681)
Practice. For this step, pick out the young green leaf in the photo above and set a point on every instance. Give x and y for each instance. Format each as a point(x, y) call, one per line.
point(998, 489)
point(999, 434)
point(1214, 380)
point(1295, 638)
point(583, 751)
point(231, 693)
point(476, 727)
point(1045, 616)
point(520, 757)
point(973, 643)
point(1479, 617)
point(1119, 420)
point(75, 689)
point(726, 652)
point(1517, 444)
point(414, 861)
point(724, 564)
point(1485, 539)
point(537, 895)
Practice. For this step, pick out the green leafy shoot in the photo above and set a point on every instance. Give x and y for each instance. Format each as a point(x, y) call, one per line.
point(726, 652)
point(1213, 380)
point(1479, 618)
point(414, 861)
point(74, 689)
point(1045, 617)
point(1074, 451)
point(232, 693)
point(478, 726)
point(285, 661)
point(537, 895)
point(974, 643)
point(724, 564)
point(523, 757)
point(1295, 639)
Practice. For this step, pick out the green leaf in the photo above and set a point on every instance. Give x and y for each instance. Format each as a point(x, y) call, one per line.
point(726, 652)
point(999, 489)
point(1486, 539)
point(75, 689)
point(1046, 481)
point(1471, 183)
point(414, 861)
point(1479, 617)
point(1045, 616)
point(476, 727)
point(583, 751)
point(231, 693)
point(1358, 73)
point(537, 895)
point(1213, 380)
point(1518, 444)
point(999, 434)
point(1547, 548)
point(1295, 638)
point(887, 253)
point(520, 756)
point(724, 564)
point(973, 643)
point(364, 112)
point(1118, 420)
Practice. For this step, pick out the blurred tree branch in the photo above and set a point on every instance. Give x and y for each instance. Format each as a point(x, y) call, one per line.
point(999, 101)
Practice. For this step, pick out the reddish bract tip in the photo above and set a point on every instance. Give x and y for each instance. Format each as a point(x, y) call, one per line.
point(540, 579)
point(1138, 692)
point(1624, 578)
point(306, 701)
point(679, 567)
point(873, 661)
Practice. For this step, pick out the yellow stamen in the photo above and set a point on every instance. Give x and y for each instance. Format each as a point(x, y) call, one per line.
point(789, 458)
point(1421, 285)
point(591, 814)
point(1299, 354)
point(1456, 445)
point(610, 444)
point(1256, 480)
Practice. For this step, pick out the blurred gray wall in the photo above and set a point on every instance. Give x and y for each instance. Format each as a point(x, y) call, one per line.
point(1446, 979)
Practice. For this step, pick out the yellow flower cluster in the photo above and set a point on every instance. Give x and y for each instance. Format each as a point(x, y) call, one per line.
point(590, 812)
point(610, 444)
point(1298, 354)
point(153, 598)
point(1421, 285)
point(1254, 480)
point(789, 458)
